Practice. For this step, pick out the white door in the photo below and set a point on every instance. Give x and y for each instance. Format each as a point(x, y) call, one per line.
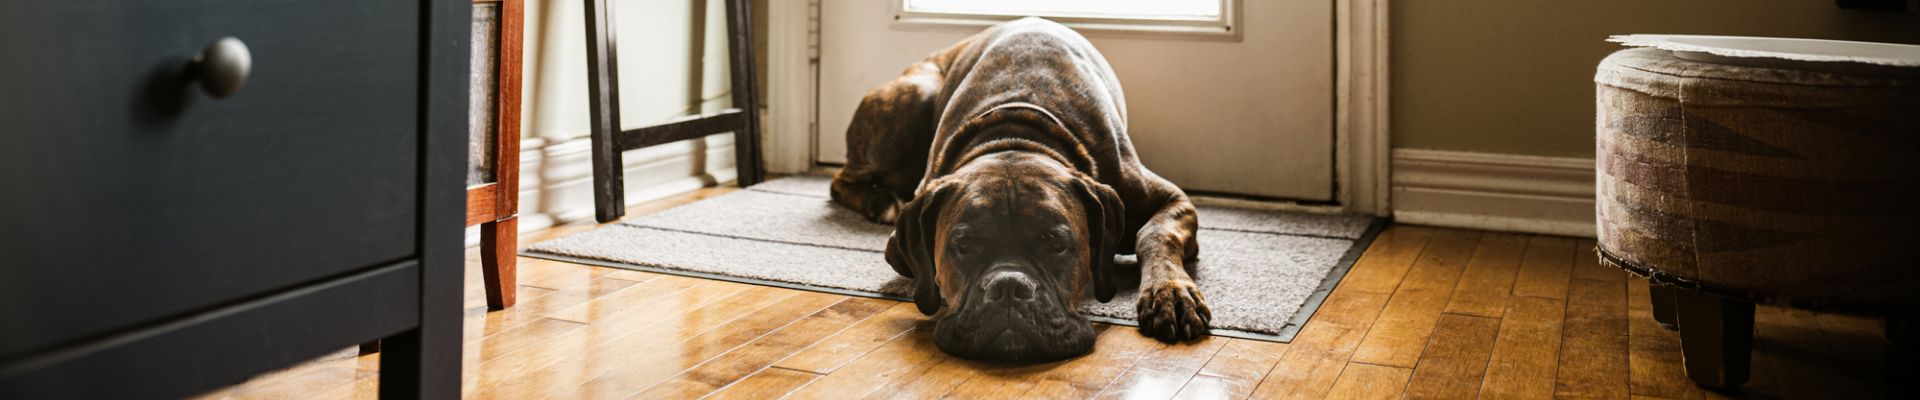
point(1251, 115)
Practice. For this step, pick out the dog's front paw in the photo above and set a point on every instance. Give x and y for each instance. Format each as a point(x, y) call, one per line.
point(1173, 310)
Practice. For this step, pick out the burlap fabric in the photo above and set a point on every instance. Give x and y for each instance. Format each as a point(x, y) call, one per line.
point(1770, 185)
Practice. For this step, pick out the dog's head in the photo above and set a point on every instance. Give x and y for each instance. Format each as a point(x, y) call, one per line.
point(1003, 249)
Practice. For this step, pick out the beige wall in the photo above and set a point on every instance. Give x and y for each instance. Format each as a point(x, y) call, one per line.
point(1516, 76)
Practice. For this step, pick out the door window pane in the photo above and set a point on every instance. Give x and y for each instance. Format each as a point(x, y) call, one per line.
point(1128, 9)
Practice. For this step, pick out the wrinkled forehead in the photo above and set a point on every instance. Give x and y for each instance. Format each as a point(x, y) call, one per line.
point(1004, 200)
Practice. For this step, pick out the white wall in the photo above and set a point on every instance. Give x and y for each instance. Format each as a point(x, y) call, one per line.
point(664, 74)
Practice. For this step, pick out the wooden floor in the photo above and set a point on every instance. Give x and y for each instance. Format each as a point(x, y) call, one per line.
point(1426, 313)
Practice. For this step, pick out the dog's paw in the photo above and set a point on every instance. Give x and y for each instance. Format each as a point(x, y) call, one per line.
point(1172, 311)
point(887, 215)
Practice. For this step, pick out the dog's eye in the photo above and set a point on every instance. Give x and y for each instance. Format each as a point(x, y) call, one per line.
point(1053, 243)
point(962, 248)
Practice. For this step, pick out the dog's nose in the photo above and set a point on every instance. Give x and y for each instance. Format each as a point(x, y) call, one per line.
point(1003, 285)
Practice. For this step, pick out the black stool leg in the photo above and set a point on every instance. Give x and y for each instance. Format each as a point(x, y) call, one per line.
point(1716, 338)
point(1662, 299)
point(746, 142)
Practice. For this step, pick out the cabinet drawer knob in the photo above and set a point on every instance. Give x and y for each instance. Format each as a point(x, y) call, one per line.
point(223, 66)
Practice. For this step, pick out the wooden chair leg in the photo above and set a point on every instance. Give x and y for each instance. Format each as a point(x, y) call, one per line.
point(1716, 338)
point(1662, 298)
point(498, 248)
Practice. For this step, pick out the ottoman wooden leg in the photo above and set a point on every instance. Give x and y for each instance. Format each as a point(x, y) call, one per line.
point(1662, 299)
point(1716, 338)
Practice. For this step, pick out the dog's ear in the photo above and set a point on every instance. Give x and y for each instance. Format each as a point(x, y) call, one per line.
point(911, 245)
point(1106, 222)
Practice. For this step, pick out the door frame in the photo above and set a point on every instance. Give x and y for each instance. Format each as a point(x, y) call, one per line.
point(1361, 141)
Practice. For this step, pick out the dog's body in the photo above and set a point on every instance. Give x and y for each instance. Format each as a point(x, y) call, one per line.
point(1005, 163)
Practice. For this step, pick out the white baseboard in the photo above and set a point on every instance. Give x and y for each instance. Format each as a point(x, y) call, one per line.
point(1501, 192)
point(556, 180)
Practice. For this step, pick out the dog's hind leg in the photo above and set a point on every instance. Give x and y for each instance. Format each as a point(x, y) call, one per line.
point(887, 144)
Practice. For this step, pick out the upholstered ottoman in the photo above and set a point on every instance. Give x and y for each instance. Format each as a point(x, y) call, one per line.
point(1727, 185)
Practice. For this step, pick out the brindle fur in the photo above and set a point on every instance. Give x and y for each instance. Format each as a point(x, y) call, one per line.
point(941, 132)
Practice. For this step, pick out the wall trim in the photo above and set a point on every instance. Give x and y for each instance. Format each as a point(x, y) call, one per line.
point(1361, 139)
point(792, 52)
point(556, 179)
point(1501, 192)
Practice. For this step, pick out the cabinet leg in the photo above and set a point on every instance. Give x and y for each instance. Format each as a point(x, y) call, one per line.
point(1662, 298)
point(1716, 338)
point(499, 243)
point(1901, 343)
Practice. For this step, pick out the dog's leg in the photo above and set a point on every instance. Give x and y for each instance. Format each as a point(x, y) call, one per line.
point(887, 144)
point(1170, 306)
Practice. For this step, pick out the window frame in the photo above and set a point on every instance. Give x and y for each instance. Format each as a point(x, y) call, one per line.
point(1225, 27)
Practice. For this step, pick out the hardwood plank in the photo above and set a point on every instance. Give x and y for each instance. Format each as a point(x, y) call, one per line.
point(632, 275)
point(1860, 344)
point(1381, 267)
point(1593, 353)
point(876, 369)
point(535, 334)
point(674, 291)
point(1321, 350)
point(474, 323)
point(764, 351)
point(1488, 279)
point(1546, 268)
point(1456, 360)
point(531, 334)
point(939, 377)
point(325, 373)
point(1050, 390)
point(1763, 384)
point(1367, 381)
point(1010, 381)
point(1653, 352)
point(1556, 331)
point(954, 377)
point(648, 361)
point(1234, 371)
point(1586, 264)
point(1160, 374)
point(1803, 364)
point(1117, 348)
point(769, 383)
point(549, 274)
point(580, 355)
point(360, 389)
point(1061, 379)
point(532, 308)
point(843, 347)
point(1401, 332)
point(1526, 354)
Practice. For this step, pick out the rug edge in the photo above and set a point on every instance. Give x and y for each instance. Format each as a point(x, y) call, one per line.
point(1285, 334)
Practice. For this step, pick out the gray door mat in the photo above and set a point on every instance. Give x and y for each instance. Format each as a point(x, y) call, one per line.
point(1263, 272)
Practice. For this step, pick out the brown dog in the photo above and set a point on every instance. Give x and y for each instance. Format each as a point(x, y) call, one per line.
point(1005, 165)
